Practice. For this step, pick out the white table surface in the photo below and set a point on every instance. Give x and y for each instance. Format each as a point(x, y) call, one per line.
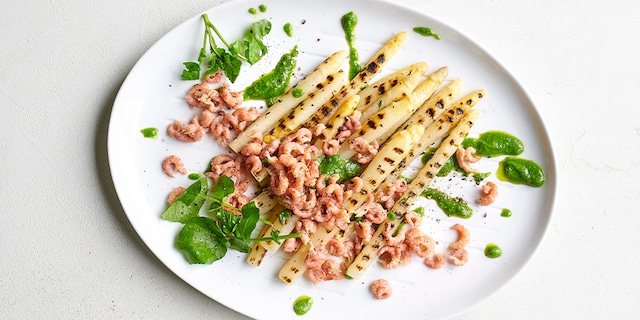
point(68, 251)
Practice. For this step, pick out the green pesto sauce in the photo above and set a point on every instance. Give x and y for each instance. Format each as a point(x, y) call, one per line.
point(427, 32)
point(505, 213)
point(288, 29)
point(349, 22)
point(495, 143)
point(297, 92)
point(302, 305)
point(262, 8)
point(150, 132)
point(334, 164)
point(480, 176)
point(521, 171)
point(253, 10)
point(273, 84)
point(492, 251)
point(194, 176)
point(452, 206)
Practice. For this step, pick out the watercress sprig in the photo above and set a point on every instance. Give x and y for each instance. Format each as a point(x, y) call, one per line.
point(205, 239)
point(250, 48)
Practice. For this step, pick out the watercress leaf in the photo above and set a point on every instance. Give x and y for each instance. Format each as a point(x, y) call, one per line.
point(225, 61)
point(239, 245)
point(275, 236)
point(255, 49)
point(201, 242)
point(188, 203)
point(191, 72)
point(250, 217)
point(227, 221)
point(285, 214)
point(238, 47)
point(215, 206)
point(261, 28)
point(231, 67)
point(223, 188)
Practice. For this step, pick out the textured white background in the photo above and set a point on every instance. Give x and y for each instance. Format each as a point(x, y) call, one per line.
point(67, 250)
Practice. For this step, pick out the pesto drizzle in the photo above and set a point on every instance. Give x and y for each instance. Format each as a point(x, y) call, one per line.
point(452, 206)
point(427, 32)
point(275, 83)
point(349, 22)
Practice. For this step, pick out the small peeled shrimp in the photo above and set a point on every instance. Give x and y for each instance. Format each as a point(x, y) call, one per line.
point(465, 157)
point(330, 147)
point(381, 289)
point(459, 257)
point(463, 237)
point(174, 194)
point(231, 98)
point(489, 193)
point(171, 163)
point(390, 238)
point(435, 261)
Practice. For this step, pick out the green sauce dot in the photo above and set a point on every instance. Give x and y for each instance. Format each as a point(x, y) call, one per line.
point(297, 92)
point(253, 10)
point(288, 29)
point(194, 176)
point(150, 132)
point(302, 305)
point(263, 8)
point(505, 213)
point(492, 251)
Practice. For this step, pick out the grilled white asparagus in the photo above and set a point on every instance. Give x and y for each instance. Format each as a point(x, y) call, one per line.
point(439, 128)
point(389, 119)
point(309, 84)
point(447, 148)
point(392, 87)
point(371, 70)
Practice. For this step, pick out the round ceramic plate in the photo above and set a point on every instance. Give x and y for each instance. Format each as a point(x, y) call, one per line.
point(153, 95)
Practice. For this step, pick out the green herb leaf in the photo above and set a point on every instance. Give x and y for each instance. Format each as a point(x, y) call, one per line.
point(225, 61)
point(191, 72)
point(201, 242)
point(227, 222)
point(250, 217)
point(188, 203)
point(275, 236)
point(239, 245)
point(284, 215)
point(223, 188)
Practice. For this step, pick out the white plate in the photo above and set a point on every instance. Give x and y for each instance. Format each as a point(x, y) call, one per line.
point(153, 96)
